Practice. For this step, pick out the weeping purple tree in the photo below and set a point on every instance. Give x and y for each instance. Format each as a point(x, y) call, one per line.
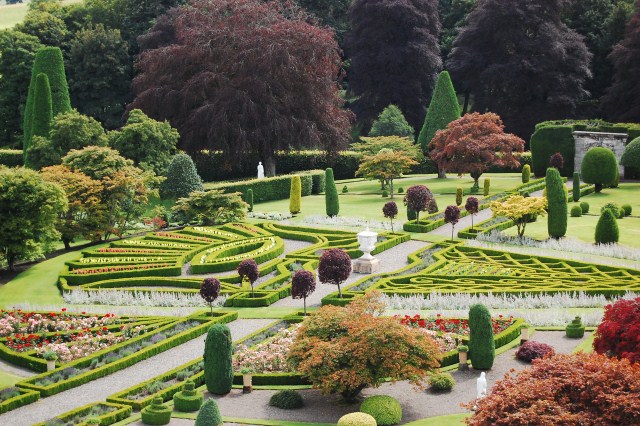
point(334, 267)
point(390, 210)
point(452, 216)
point(248, 270)
point(303, 284)
point(472, 207)
point(209, 291)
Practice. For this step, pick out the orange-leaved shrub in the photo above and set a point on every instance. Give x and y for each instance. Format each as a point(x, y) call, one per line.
point(580, 389)
point(345, 349)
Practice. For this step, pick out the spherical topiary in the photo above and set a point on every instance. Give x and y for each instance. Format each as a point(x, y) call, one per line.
point(357, 419)
point(385, 194)
point(531, 350)
point(599, 167)
point(400, 190)
point(631, 156)
point(607, 231)
point(442, 382)
point(482, 348)
point(575, 329)
point(218, 367)
point(585, 207)
point(209, 414)
point(576, 211)
point(385, 409)
point(627, 209)
point(287, 400)
point(188, 399)
point(156, 413)
point(557, 202)
point(182, 178)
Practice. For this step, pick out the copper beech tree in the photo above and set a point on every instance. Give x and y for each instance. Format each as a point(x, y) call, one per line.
point(473, 144)
point(579, 389)
point(241, 76)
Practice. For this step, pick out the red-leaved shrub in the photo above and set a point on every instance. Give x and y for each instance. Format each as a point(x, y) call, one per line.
point(619, 332)
point(533, 350)
point(580, 389)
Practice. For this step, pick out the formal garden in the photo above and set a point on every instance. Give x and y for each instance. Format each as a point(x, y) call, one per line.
point(319, 212)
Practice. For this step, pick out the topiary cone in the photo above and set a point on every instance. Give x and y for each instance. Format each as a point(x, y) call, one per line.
point(332, 203)
point(557, 201)
point(209, 414)
point(157, 413)
point(188, 399)
point(218, 368)
point(482, 349)
point(607, 231)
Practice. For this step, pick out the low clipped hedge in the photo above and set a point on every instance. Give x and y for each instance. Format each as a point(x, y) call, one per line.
point(124, 362)
point(26, 396)
point(121, 412)
point(260, 299)
point(11, 157)
point(222, 265)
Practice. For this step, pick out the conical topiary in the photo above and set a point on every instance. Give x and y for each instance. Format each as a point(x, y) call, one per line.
point(607, 231)
point(295, 195)
point(182, 178)
point(157, 413)
point(209, 414)
point(576, 187)
point(557, 202)
point(249, 199)
point(482, 348)
point(575, 329)
point(526, 173)
point(188, 399)
point(42, 114)
point(331, 194)
point(218, 367)
point(443, 109)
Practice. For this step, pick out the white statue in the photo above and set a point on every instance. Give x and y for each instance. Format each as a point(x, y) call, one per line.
point(481, 385)
point(260, 170)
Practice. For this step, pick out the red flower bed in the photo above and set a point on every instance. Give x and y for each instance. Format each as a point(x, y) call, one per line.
point(453, 325)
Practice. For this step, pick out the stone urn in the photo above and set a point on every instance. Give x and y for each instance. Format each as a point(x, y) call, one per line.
point(462, 357)
point(247, 381)
point(367, 264)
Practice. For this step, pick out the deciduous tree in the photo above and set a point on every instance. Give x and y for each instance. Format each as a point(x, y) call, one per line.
point(303, 284)
point(419, 198)
point(334, 267)
point(520, 210)
point(390, 210)
point(266, 80)
point(473, 144)
point(209, 291)
point(248, 270)
point(210, 208)
point(387, 165)
point(617, 334)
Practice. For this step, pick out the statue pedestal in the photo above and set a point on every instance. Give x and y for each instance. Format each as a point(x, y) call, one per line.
point(366, 266)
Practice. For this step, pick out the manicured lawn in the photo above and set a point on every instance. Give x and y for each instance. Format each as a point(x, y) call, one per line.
point(450, 420)
point(14, 13)
point(364, 198)
point(583, 228)
point(7, 379)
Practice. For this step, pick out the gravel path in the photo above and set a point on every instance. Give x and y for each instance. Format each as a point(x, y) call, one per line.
point(390, 260)
point(15, 370)
point(416, 404)
point(100, 389)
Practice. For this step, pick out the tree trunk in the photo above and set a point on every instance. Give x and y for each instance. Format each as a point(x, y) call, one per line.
point(269, 165)
point(350, 395)
point(466, 102)
point(391, 188)
point(67, 244)
point(442, 174)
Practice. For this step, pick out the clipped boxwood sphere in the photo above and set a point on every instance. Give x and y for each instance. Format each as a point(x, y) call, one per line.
point(599, 167)
point(631, 155)
point(287, 400)
point(385, 409)
point(627, 209)
point(585, 207)
point(357, 419)
point(576, 211)
point(617, 212)
point(442, 382)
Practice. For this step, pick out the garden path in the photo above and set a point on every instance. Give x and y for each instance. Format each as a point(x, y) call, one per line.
point(416, 404)
point(100, 389)
point(390, 260)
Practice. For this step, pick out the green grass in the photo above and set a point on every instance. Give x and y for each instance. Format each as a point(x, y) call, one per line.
point(448, 420)
point(38, 284)
point(583, 228)
point(7, 379)
point(364, 198)
point(13, 14)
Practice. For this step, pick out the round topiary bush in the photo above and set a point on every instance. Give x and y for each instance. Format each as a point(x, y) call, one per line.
point(188, 399)
point(607, 231)
point(357, 419)
point(287, 400)
point(599, 167)
point(576, 211)
point(533, 350)
point(156, 413)
point(627, 209)
point(385, 409)
point(631, 156)
point(385, 194)
point(585, 207)
point(442, 382)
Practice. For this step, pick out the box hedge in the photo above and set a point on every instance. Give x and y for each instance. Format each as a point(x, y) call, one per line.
point(11, 157)
point(121, 412)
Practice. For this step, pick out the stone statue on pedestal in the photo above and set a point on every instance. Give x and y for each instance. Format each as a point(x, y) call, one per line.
point(260, 170)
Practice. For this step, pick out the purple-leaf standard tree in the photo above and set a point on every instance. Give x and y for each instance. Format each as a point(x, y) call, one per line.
point(419, 199)
point(334, 267)
point(390, 210)
point(303, 284)
point(556, 161)
point(452, 216)
point(209, 291)
point(472, 206)
point(248, 270)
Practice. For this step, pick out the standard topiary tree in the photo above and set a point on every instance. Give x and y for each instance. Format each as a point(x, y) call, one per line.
point(303, 284)
point(209, 414)
point(443, 109)
point(472, 206)
point(156, 413)
point(295, 195)
point(482, 349)
point(631, 158)
point(182, 178)
point(607, 228)
point(599, 167)
point(334, 267)
point(391, 122)
point(526, 173)
point(331, 194)
point(209, 291)
point(218, 366)
point(248, 271)
point(249, 199)
point(452, 216)
point(390, 210)
point(576, 187)
point(420, 199)
point(188, 399)
point(385, 409)
point(557, 204)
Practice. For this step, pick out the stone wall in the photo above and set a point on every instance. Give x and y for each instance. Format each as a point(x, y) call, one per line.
point(586, 140)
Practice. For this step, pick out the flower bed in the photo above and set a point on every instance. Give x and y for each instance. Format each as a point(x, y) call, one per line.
point(107, 413)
